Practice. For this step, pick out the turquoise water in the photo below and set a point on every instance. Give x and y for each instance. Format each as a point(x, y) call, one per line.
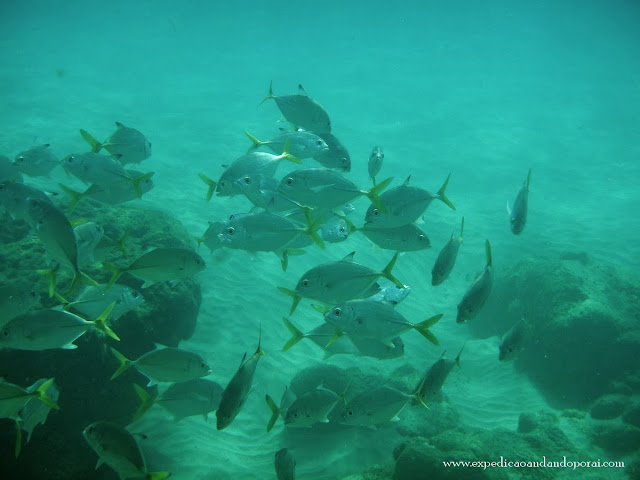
point(481, 90)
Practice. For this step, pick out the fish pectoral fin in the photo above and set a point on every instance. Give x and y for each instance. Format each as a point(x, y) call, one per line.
point(508, 208)
point(99, 462)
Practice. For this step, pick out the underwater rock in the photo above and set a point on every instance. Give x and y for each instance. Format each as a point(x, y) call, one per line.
point(609, 406)
point(616, 438)
point(632, 415)
point(581, 313)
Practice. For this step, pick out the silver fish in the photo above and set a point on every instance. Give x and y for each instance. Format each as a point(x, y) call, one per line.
point(370, 319)
point(15, 301)
point(322, 336)
point(237, 390)
point(285, 465)
point(128, 144)
point(433, 379)
point(392, 294)
point(35, 412)
point(337, 157)
point(311, 408)
point(14, 196)
point(36, 161)
point(404, 204)
point(446, 258)
point(477, 294)
point(9, 171)
point(375, 162)
point(337, 282)
point(88, 235)
point(301, 144)
point(49, 329)
point(116, 447)
point(515, 340)
point(301, 110)
point(166, 364)
point(93, 300)
point(518, 214)
point(405, 238)
point(198, 396)
point(161, 264)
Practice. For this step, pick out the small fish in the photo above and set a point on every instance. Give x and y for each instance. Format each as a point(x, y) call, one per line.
point(446, 258)
point(375, 163)
point(334, 229)
point(116, 447)
point(301, 110)
point(198, 396)
point(50, 329)
point(238, 388)
point(405, 238)
point(392, 294)
point(166, 364)
point(130, 145)
point(88, 235)
point(211, 236)
point(161, 264)
point(9, 171)
point(35, 412)
point(374, 320)
point(301, 144)
point(325, 189)
point(515, 340)
point(15, 301)
point(337, 157)
point(404, 204)
point(518, 215)
point(311, 408)
point(14, 397)
point(56, 234)
point(374, 407)
point(285, 465)
point(36, 161)
point(477, 294)
point(337, 282)
point(433, 379)
point(14, 196)
point(93, 300)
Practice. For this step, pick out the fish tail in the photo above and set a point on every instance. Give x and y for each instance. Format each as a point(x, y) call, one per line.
point(275, 412)
point(458, 356)
point(296, 334)
point(157, 475)
point(75, 197)
point(52, 274)
point(386, 273)
point(443, 197)
point(198, 240)
point(286, 155)
point(117, 271)
point(211, 183)
point(255, 143)
point(125, 363)
point(138, 180)
point(101, 322)
point(487, 249)
point(417, 398)
point(18, 447)
point(259, 351)
point(121, 242)
point(374, 193)
point(146, 401)
point(269, 95)
point(423, 328)
point(312, 227)
point(41, 394)
point(96, 146)
point(291, 293)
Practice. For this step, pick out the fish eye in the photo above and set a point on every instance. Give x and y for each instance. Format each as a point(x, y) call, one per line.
point(203, 365)
point(20, 159)
point(6, 332)
point(305, 283)
point(247, 180)
point(376, 212)
point(91, 429)
point(319, 143)
point(289, 181)
point(350, 412)
point(342, 230)
point(421, 237)
point(337, 312)
point(230, 230)
point(295, 415)
point(222, 183)
point(70, 159)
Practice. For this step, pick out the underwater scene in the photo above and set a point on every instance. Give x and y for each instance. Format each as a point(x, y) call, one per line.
point(328, 240)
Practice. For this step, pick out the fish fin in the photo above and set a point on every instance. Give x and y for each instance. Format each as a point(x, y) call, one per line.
point(296, 334)
point(87, 279)
point(349, 257)
point(301, 91)
point(462, 228)
point(321, 308)
point(291, 293)
point(96, 146)
point(99, 463)
point(18, 447)
point(386, 273)
point(407, 180)
point(75, 197)
point(210, 183)
point(442, 197)
point(458, 356)
point(311, 230)
point(125, 363)
point(335, 337)
point(284, 260)
point(528, 180)
point(269, 95)
point(41, 394)
point(286, 155)
point(508, 208)
point(101, 322)
point(52, 274)
point(275, 412)
point(259, 351)
point(69, 346)
point(375, 191)
point(138, 180)
point(487, 249)
point(146, 401)
point(157, 475)
point(255, 143)
point(121, 243)
point(117, 271)
point(423, 328)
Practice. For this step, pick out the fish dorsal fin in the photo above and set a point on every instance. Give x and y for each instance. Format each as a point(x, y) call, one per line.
point(301, 90)
point(244, 357)
point(528, 180)
point(349, 257)
point(119, 125)
point(99, 462)
point(406, 182)
point(487, 247)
